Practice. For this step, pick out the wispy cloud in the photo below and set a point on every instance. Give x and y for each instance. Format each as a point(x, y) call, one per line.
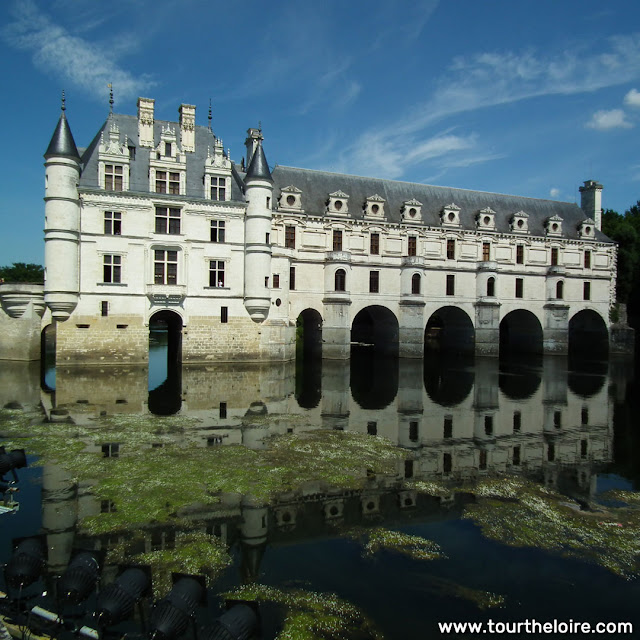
point(72, 58)
point(632, 99)
point(606, 120)
point(554, 192)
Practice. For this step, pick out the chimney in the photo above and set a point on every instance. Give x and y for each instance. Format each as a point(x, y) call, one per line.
point(591, 201)
point(145, 122)
point(187, 127)
point(253, 135)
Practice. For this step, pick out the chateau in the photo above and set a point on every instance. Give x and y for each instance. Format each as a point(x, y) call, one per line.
point(154, 223)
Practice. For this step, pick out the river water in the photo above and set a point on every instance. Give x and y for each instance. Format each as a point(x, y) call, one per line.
point(449, 490)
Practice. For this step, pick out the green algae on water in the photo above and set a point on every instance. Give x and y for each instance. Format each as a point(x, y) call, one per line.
point(381, 539)
point(310, 615)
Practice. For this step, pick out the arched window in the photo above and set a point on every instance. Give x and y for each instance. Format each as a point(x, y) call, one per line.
point(559, 289)
point(415, 283)
point(491, 287)
point(341, 280)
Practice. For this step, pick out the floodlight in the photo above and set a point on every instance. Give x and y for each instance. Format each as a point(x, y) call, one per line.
point(240, 622)
point(26, 563)
point(15, 459)
point(170, 616)
point(80, 578)
point(116, 601)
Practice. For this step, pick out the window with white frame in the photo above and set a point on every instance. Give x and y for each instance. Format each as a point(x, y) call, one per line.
point(111, 269)
point(165, 266)
point(113, 177)
point(112, 223)
point(167, 220)
point(217, 230)
point(216, 273)
point(218, 188)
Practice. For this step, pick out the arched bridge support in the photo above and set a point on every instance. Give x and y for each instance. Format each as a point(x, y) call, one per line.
point(487, 328)
point(555, 334)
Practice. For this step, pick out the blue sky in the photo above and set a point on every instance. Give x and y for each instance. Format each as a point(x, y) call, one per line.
point(524, 97)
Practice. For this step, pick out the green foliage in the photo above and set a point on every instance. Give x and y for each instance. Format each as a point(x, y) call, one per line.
point(21, 272)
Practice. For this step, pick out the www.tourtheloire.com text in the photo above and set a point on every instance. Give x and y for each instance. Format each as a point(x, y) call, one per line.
point(533, 626)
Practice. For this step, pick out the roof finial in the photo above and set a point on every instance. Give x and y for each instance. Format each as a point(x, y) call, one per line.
point(64, 106)
point(110, 99)
point(209, 114)
point(260, 126)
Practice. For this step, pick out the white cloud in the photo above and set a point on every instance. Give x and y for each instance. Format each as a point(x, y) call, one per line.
point(70, 57)
point(613, 119)
point(554, 192)
point(632, 99)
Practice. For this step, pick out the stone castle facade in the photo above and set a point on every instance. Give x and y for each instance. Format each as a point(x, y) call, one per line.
point(153, 221)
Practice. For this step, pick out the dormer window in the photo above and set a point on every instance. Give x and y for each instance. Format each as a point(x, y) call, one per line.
point(520, 222)
point(290, 199)
point(113, 177)
point(554, 226)
point(217, 174)
point(586, 229)
point(218, 188)
point(450, 215)
point(486, 220)
point(412, 211)
point(338, 203)
point(167, 149)
point(113, 161)
point(168, 167)
point(374, 206)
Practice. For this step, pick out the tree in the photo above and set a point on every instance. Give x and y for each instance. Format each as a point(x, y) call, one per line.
point(21, 272)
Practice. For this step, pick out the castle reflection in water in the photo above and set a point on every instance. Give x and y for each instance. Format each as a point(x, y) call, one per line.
point(460, 419)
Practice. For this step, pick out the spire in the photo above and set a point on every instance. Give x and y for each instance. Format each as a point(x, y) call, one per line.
point(259, 168)
point(110, 100)
point(62, 143)
point(209, 114)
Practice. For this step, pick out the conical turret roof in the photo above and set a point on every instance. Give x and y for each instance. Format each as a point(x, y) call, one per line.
point(62, 143)
point(258, 167)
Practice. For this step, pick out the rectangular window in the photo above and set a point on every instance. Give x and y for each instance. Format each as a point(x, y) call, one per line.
point(557, 419)
point(167, 148)
point(519, 287)
point(482, 462)
point(223, 410)
point(408, 468)
point(104, 308)
point(520, 254)
point(486, 251)
point(292, 278)
point(174, 183)
point(276, 280)
point(374, 244)
point(217, 231)
point(372, 428)
point(111, 450)
point(448, 427)
point(413, 431)
point(488, 425)
point(374, 281)
point(216, 273)
point(517, 421)
point(412, 248)
point(586, 291)
point(112, 269)
point(451, 285)
point(165, 267)
point(167, 220)
point(112, 223)
point(337, 240)
point(516, 456)
point(161, 182)
point(224, 315)
point(113, 174)
point(290, 237)
point(587, 259)
point(554, 256)
point(551, 453)
point(451, 249)
point(584, 448)
point(447, 463)
point(218, 188)
point(584, 416)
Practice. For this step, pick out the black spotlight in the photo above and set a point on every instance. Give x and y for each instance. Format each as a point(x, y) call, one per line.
point(240, 622)
point(170, 616)
point(15, 459)
point(116, 602)
point(79, 580)
point(26, 563)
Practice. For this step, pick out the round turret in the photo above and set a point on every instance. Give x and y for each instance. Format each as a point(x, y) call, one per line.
point(257, 261)
point(62, 222)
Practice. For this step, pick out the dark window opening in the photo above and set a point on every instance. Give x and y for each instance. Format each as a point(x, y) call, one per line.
point(223, 410)
point(224, 315)
point(372, 428)
point(448, 427)
point(413, 431)
point(374, 281)
point(374, 244)
point(451, 285)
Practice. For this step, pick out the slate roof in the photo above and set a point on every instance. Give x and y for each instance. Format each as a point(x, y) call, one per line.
point(62, 143)
point(139, 168)
point(258, 167)
point(317, 185)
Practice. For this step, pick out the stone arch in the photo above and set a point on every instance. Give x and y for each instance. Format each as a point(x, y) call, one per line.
point(520, 379)
point(448, 381)
point(165, 362)
point(520, 332)
point(308, 358)
point(48, 357)
point(376, 326)
point(450, 329)
point(374, 364)
point(588, 334)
